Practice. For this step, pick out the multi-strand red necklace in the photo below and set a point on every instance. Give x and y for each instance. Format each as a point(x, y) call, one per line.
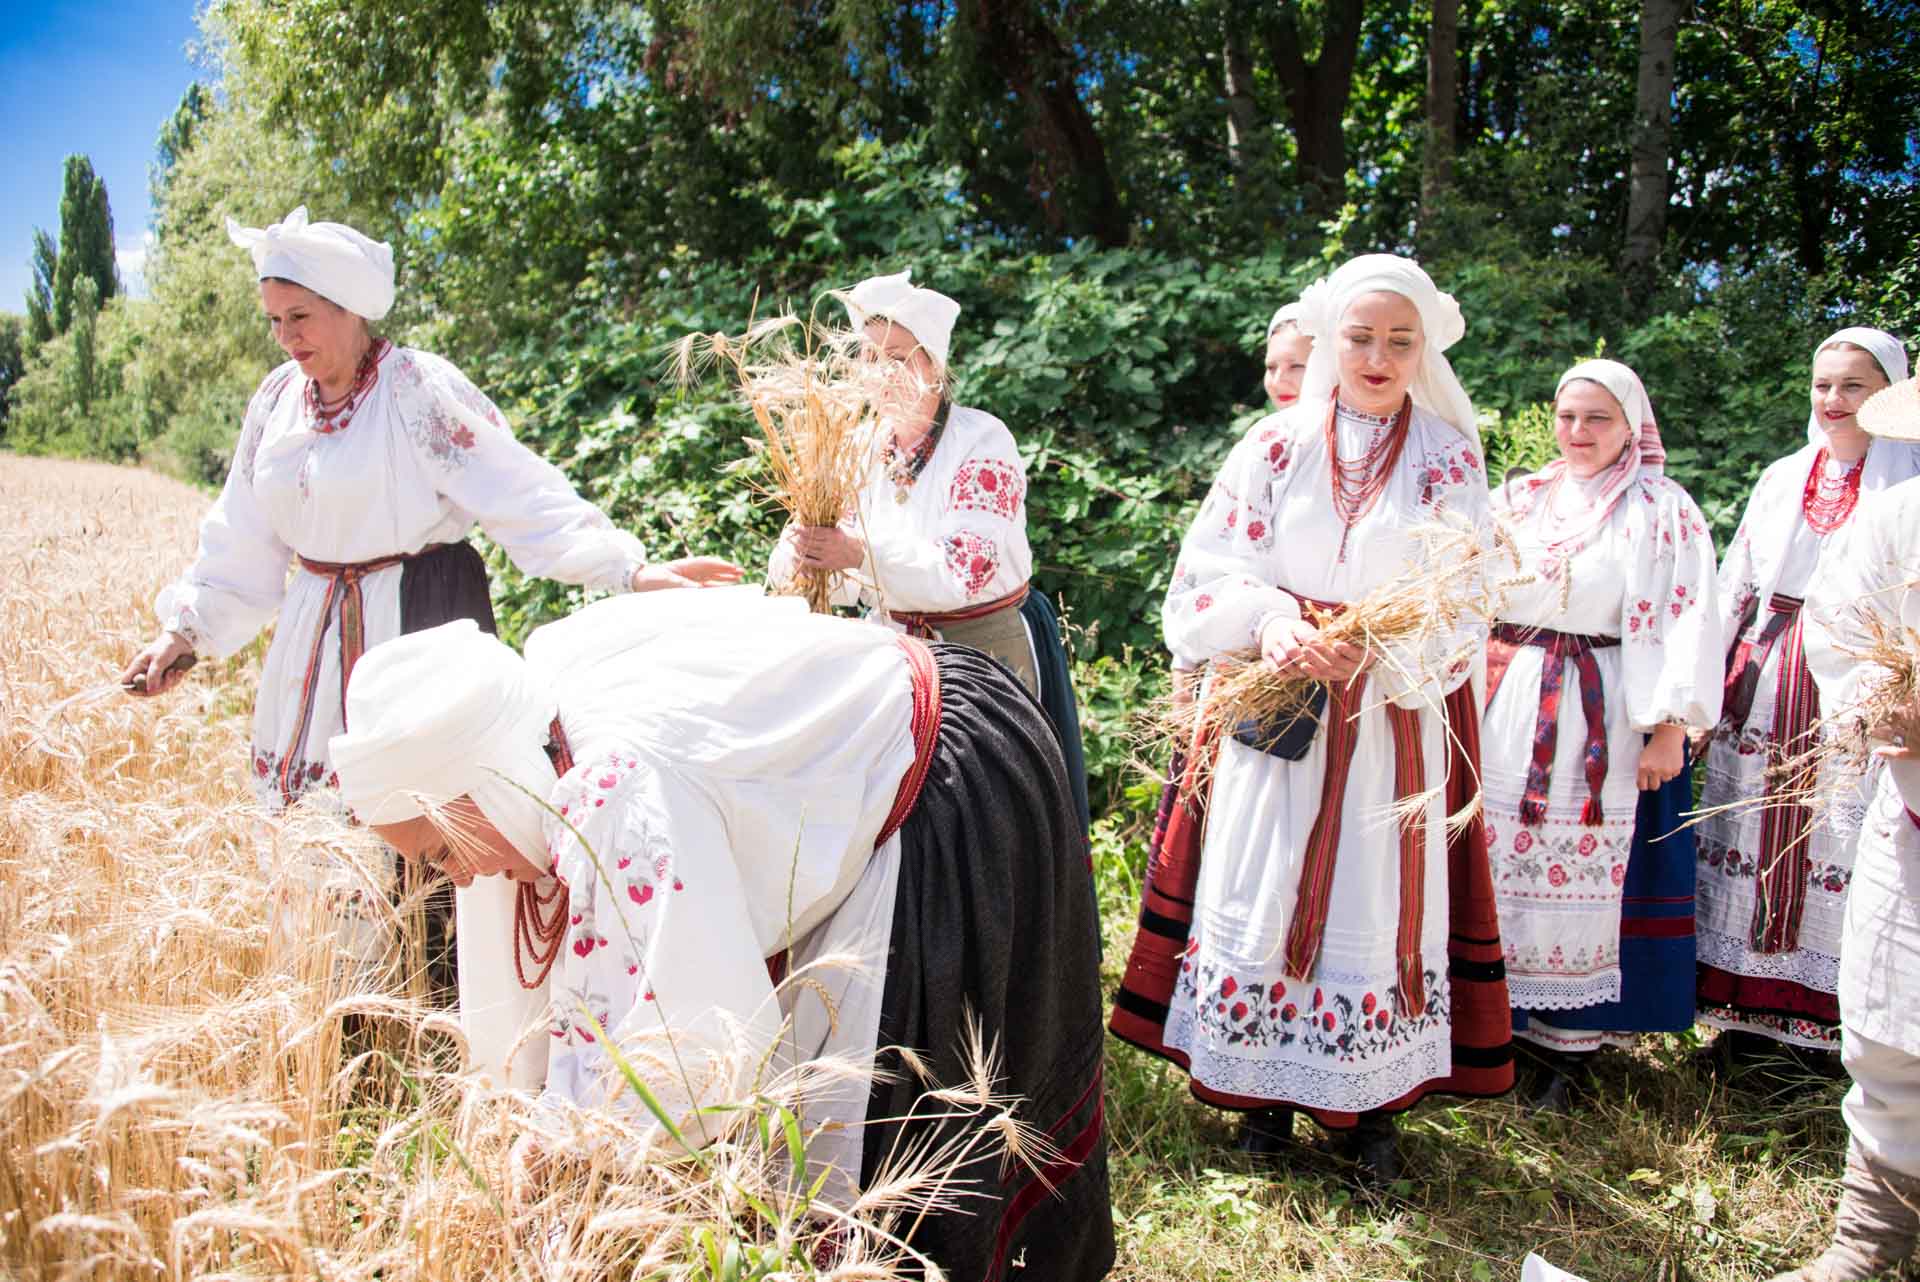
point(1828, 502)
point(1358, 483)
point(328, 417)
point(540, 920)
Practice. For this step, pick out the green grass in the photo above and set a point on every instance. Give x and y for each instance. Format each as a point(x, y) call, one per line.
point(1660, 1172)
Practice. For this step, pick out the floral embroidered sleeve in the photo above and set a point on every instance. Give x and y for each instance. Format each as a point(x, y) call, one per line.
point(1739, 588)
point(975, 549)
point(1673, 652)
point(239, 575)
point(1453, 489)
point(1223, 588)
point(523, 502)
point(659, 947)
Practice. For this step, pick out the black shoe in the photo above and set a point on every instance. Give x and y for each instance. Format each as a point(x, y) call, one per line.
point(1373, 1146)
point(1265, 1134)
point(1555, 1096)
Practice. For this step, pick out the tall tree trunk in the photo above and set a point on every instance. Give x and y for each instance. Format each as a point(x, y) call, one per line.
point(1238, 60)
point(1016, 41)
point(1443, 94)
point(1317, 93)
point(1652, 129)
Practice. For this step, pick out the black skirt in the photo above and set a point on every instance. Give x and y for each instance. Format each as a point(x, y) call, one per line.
point(993, 918)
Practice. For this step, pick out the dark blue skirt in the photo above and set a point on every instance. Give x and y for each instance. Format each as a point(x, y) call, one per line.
point(1056, 695)
point(1656, 925)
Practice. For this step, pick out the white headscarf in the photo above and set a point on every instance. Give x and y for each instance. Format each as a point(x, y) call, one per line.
point(331, 259)
point(1290, 312)
point(1887, 351)
point(1325, 302)
point(1643, 454)
point(926, 314)
point(444, 713)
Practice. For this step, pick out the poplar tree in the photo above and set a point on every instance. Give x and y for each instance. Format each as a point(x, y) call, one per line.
point(86, 241)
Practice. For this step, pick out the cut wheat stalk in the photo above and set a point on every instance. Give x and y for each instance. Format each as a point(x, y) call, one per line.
point(815, 397)
point(1455, 579)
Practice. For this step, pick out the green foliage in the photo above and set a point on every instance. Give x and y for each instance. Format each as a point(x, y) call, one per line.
point(73, 396)
point(12, 363)
point(86, 242)
point(45, 262)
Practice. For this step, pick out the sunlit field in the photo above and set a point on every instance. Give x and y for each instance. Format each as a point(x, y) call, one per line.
point(197, 1079)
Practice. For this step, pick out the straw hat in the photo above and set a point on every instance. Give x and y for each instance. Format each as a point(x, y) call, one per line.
point(1893, 412)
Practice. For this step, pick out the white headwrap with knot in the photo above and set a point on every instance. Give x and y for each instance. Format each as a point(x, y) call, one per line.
point(1325, 302)
point(331, 259)
point(1887, 351)
point(444, 713)
point(1642, 455)
point(926, 314)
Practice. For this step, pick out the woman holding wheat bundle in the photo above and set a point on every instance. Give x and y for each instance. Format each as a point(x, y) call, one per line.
point(1774, 876)
point(935, 541)
point(1315, 934)
point(1598, 665)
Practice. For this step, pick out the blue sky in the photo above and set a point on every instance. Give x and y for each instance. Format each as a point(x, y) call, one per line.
point(90, 77)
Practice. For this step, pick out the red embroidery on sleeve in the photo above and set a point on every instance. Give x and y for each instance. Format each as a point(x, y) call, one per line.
point(988, 485)
point(972, 558)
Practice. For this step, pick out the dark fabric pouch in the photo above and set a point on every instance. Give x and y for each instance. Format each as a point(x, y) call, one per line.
point(1286, 735)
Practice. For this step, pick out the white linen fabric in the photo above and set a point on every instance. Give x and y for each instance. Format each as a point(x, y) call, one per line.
point(1266, 532)
point(735, 758)
point(425, 457)
point(1324, 304)
point(331, 259)
point(958, 539)
point(1775, 551)
point(1645, 575)
point(1289, 312)
point(1887, 351)
point(926, 314)
point(1872, 571)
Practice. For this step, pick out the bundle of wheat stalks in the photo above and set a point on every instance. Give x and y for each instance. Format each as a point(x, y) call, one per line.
point(1455, 577)
point(204, 1075)
point(814, 396)
point(1893, 651)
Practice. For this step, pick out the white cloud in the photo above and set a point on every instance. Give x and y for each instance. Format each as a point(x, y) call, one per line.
point(132, 262)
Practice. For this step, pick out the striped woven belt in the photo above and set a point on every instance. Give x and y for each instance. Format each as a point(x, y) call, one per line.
point(1562, 648)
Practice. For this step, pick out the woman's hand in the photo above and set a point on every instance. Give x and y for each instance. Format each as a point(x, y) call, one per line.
point(151, 671)
point(1186, 684)
point(687, 572)
point(1698, 741)
point(1294, 645)
point(1662, 758)
point(1898, 733)
point(826, 547)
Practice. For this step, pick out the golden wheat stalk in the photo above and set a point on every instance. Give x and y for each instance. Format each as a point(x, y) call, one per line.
point(217, 1060)
point(813, 395)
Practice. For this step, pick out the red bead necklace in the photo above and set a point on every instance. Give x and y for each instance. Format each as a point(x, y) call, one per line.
point(328, 417)
point(540, 921)
point(1828, 503)
point(1357, 485)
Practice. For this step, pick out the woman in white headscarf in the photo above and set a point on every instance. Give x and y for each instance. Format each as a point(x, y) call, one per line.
point(361, 468)
point(937, 543)
point(1773, 878)
point(1296, 949)
point(1596, 669)
point(1866, 584)
point(1288, 348)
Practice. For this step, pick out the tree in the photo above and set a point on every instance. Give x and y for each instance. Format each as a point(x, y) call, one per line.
point(1652, 127)
point(46, 262)
point(1443, 92)
point(83, 370)
point(86, 241)
point(176, 138)
point(1316, 92)
point(12, 362)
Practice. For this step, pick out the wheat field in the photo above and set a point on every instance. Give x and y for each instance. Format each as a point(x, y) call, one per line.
point(178, 1098)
